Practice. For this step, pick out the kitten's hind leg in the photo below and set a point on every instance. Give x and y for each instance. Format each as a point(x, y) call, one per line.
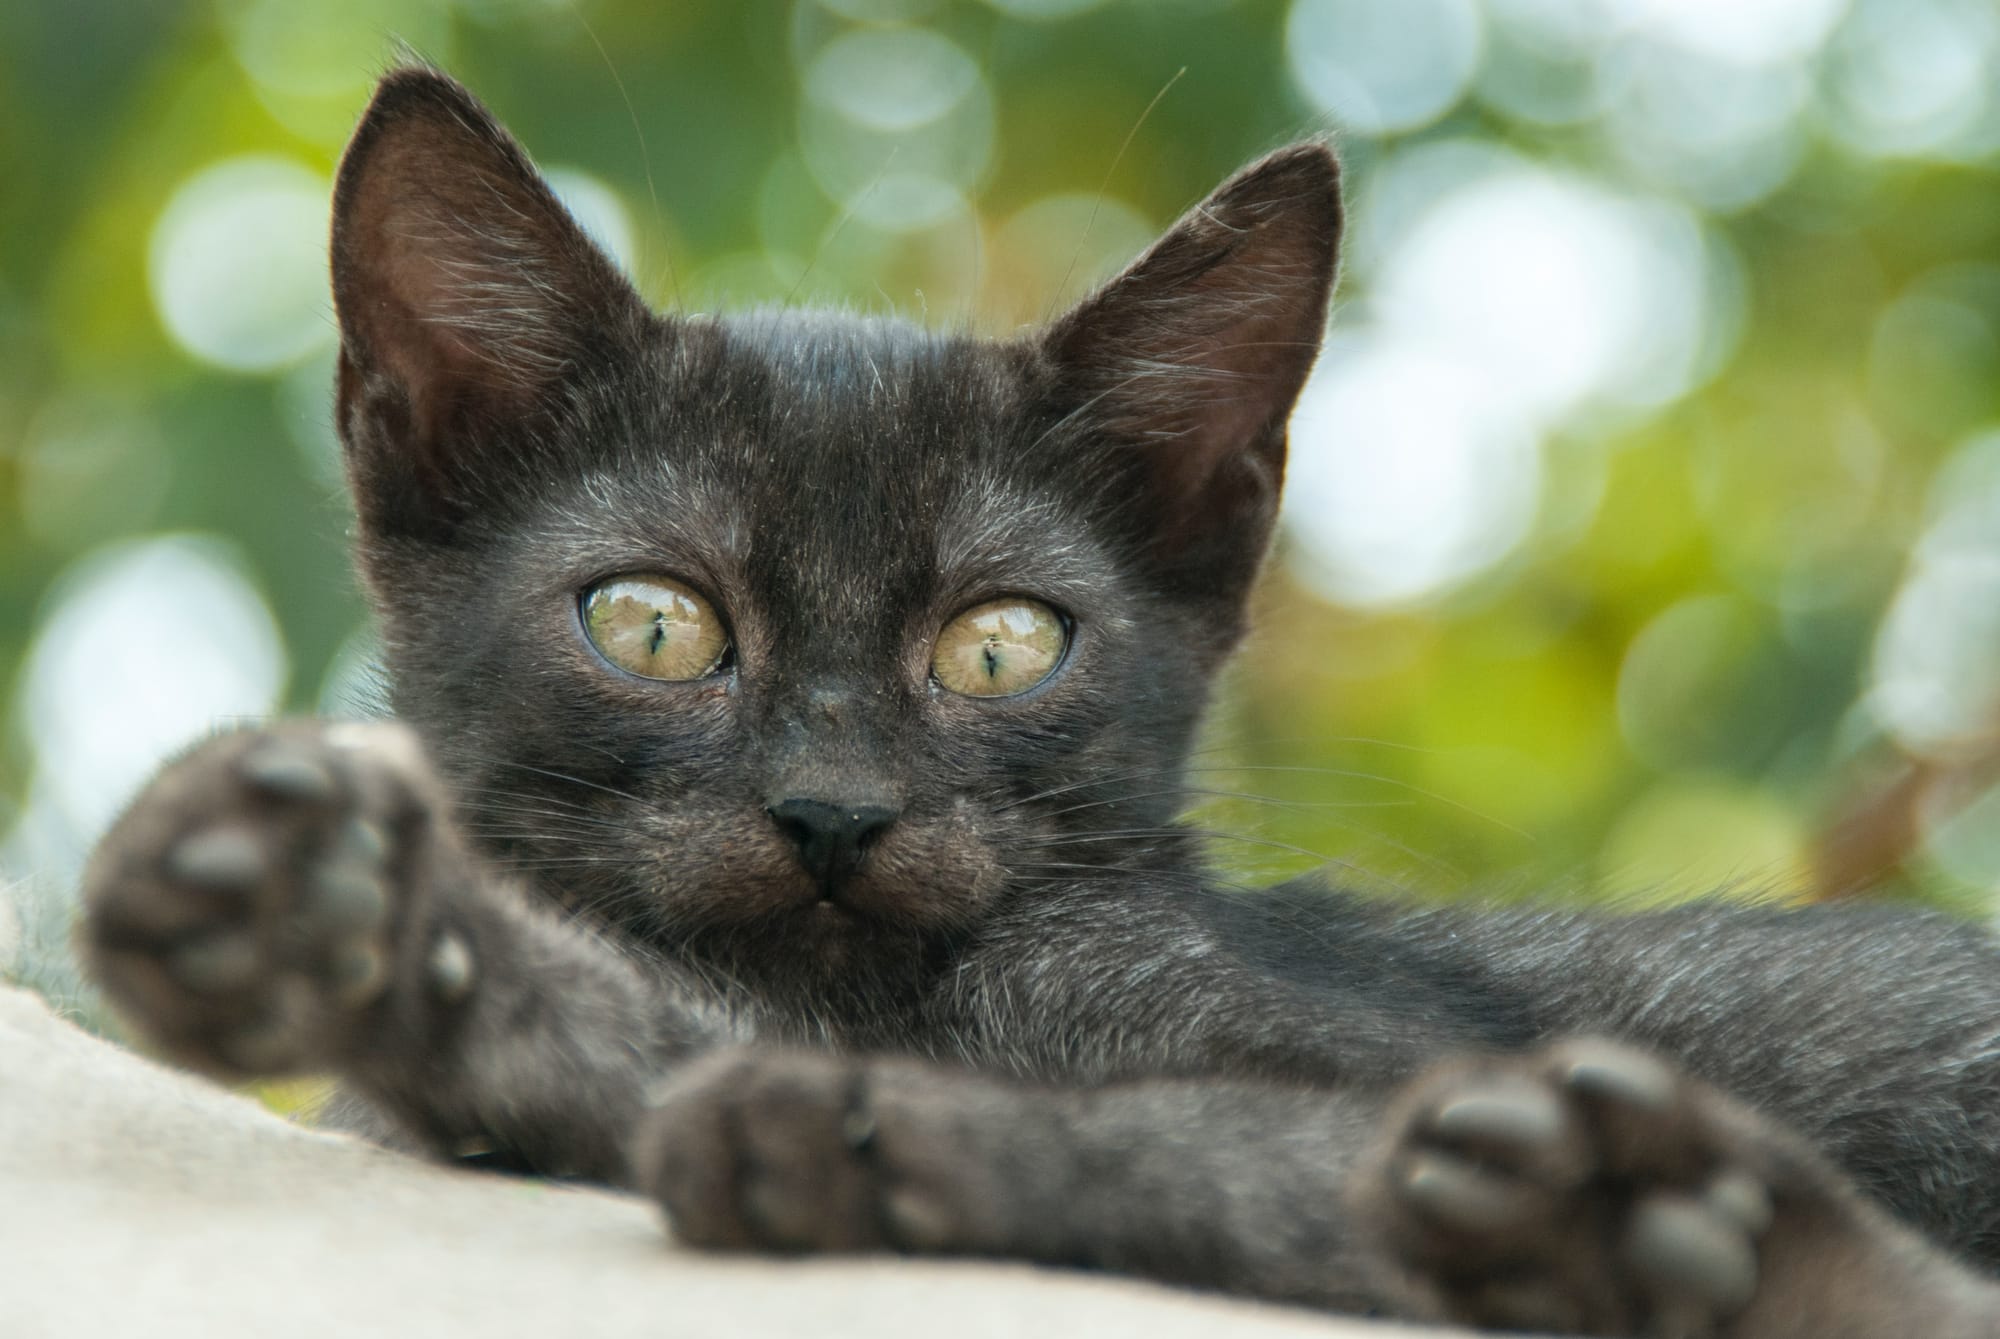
point(1591, 1189)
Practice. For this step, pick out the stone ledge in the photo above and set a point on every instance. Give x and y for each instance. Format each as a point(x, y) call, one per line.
point(137, 1200)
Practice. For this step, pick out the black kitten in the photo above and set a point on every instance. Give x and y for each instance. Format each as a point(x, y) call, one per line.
point(793, 716)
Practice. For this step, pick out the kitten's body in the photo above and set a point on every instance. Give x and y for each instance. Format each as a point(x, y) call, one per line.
point(1022, 1020)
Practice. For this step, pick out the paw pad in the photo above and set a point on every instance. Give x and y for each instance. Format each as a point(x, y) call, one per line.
point(216, 964)
point(243, 910)
point(220, 860)
point(1590, 1188)
point(1681, 1246)
point(287, 772)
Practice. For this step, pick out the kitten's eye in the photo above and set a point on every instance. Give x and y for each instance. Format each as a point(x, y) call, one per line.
point(654, 627)
point(999, 648)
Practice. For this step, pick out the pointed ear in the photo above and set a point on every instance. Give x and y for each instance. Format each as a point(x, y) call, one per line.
point(468, 299)
point(1194, 355)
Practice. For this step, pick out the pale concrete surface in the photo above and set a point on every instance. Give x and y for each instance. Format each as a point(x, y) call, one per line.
point(138, 1201)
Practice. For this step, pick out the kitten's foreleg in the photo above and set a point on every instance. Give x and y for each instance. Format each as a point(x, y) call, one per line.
point(1587, 1189)
point(1217, 1184)
point(297, 900)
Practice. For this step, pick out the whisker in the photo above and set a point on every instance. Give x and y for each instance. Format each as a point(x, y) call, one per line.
point(1354, 775)
point(587, 817)
point(1097, 205)
point(1211, 793)
point(1086, 838)
point(565, 776)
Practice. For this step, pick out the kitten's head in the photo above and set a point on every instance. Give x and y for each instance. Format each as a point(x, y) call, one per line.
point(807, 633)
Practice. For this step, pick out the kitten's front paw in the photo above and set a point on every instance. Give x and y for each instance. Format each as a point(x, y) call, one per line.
point(1587, 1189)
point(798, 1151)
point(250, 907)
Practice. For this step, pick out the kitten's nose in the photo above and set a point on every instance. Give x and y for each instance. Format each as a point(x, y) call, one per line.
point(832, 838)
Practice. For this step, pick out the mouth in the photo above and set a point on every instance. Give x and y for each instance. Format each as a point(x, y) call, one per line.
point(829, 918)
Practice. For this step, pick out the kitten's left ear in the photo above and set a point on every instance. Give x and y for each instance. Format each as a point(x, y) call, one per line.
point(1195, 354)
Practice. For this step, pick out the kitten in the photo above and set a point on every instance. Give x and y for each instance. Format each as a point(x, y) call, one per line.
point(792, 713)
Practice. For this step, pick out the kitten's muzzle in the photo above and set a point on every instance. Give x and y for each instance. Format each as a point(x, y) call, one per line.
point(832, 839)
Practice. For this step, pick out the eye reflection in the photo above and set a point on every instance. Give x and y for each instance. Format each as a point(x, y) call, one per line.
point(654, 627)
point(999, 648)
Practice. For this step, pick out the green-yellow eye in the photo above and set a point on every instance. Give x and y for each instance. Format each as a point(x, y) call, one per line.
point(654, 627)
point(999, 648)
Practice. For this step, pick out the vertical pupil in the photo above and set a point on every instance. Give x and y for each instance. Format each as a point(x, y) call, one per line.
point(990, 653)
point(659, 637)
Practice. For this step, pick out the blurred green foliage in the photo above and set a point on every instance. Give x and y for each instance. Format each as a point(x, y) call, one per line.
point(1673, 675)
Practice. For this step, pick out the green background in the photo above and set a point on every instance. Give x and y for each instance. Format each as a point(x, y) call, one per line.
point(1671, 670)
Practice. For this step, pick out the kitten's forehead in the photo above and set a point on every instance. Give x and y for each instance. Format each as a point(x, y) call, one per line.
point(880, 459)
point(843, 471)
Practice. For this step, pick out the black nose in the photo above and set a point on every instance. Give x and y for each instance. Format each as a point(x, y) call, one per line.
point(832, 838)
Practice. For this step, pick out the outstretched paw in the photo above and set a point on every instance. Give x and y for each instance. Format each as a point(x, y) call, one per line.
point(765, 1149)
point(1587, 1189)
point(252, 904)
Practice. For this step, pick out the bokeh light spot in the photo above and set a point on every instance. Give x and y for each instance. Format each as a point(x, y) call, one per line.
point(880, 11)
point(237, 264)
point(1406, 475)
point(599, 211)
point(896, 125)
point(1719, 132)
point(1915, 77)
point(1560, 29)
point(891, 79)
point(149, 644)
point(311, 62)
point(1057, 249)
point(1750, 32)
point(1934, 358)
point(1043, 10)
point(1937, 654)
point(1380, 68)
point(1566, 293)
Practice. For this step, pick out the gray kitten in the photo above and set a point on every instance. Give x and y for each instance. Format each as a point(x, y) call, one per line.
point(794, 712)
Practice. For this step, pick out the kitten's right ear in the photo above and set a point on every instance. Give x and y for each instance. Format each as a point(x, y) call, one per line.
point(468, 299)
point(1192, 359)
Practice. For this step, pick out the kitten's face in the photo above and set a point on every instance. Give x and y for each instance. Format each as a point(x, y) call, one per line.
point(806, 636)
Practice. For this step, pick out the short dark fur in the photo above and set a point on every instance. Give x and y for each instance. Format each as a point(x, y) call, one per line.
point(558, 922)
